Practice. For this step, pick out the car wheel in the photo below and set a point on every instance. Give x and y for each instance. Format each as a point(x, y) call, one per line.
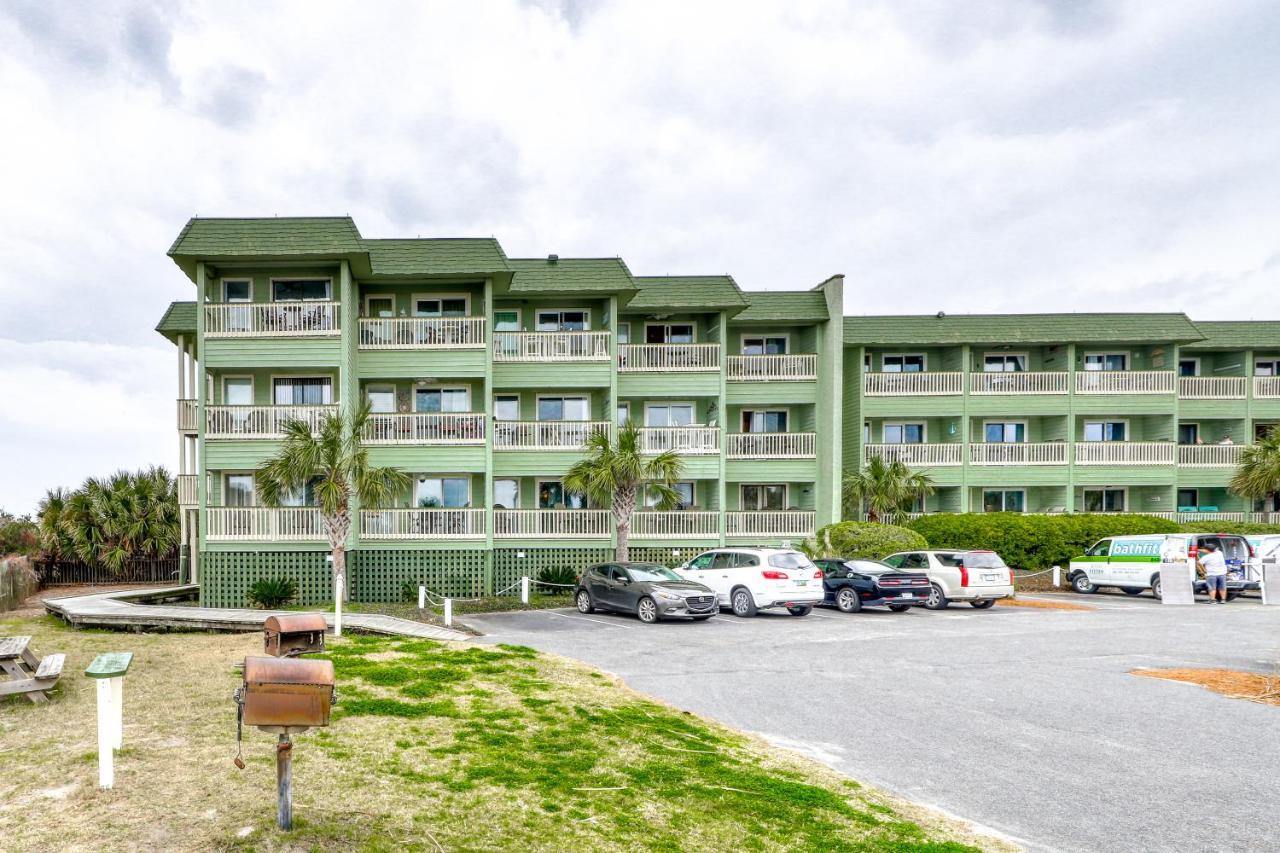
point(1129, 590)
point(937, 600)
point(702, 618)
point(1156, 587)
point(1081, 584)
point(800, 610)
point(742, 602)
point(584, 602)
point(847, 600)
point(982, 604)
point(647, 610)
point(899, 608)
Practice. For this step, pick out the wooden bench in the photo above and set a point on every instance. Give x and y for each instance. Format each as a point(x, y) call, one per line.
point(28, 675)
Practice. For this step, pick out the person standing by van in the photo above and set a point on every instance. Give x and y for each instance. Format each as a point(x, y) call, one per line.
point(1215, 572)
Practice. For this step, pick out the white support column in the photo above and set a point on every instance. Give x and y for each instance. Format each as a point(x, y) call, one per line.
point(191, 371)
point(106, 734)
point(182, 373)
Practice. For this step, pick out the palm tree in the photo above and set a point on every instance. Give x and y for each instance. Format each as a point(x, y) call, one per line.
point(111, 521)
point(617, 474)
point(885, 489)
point(1258, 475)
point(54, 543)
point(334, 463)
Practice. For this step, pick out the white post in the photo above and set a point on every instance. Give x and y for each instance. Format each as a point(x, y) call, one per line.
point(117, 709)
point(337, 606)
point(1057, 575)
point(106, 735)
point(182, 368)
point(524, 589)
point(191, 372)
point(448, 612)
point(422, 598)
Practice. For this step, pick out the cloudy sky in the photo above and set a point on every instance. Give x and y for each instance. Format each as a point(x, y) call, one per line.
point(968, 157)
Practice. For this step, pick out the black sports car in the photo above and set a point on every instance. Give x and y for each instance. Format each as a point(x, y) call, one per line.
point(649, 590)
point(854, 584)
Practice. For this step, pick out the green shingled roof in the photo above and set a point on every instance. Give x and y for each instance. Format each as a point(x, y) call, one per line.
point(290, 238)
point(1237, 335)
point(687, 292)
point(180, 319)
point(583, 276)
point(794, 306)
point(433, 256)
point(1019, 328)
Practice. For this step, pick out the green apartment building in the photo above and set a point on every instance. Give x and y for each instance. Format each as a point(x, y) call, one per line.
point(485, 374)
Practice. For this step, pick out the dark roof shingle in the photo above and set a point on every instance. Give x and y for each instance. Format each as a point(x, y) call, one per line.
point(180, 319)
point(785, 306)
point(1237, 335)
point(687, 292)
point(584, 276)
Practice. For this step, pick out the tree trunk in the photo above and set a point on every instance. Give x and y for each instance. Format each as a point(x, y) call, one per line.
point(340, 573)
point(624, 504)
point(336, 527)
point(620, 553)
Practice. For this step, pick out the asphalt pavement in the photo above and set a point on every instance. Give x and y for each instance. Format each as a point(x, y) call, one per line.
point(1025, 722)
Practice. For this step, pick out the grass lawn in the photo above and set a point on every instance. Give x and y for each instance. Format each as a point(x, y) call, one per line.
point(433, 747)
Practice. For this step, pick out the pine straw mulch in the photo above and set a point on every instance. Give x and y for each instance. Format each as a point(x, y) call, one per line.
point(1041, 604)
point(1232, 683)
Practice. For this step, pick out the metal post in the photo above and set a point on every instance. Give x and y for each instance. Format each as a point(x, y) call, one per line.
point(284, 783)
point(524, 589)
point(1057, 575)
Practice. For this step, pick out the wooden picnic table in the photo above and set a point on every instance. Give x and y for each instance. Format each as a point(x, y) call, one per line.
point(28, 674)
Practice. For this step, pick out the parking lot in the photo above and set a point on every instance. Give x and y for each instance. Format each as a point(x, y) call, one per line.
point(1023, 721)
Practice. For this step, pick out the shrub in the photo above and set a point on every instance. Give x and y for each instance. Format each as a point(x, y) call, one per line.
point(563, 576)
point(1241, 528)
point(862, 539)
point(270, 593)
point(1033, 541)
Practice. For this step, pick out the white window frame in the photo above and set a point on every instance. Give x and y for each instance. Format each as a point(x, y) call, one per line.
point(586, 313)
point(923, 356)
point(743, 337)
point(253, 396)
point(1004, 492)
point(693, 407)
point(519, 320)
point(625, 404)
point(924, 430)
point(328, 288)
point(1193, 359)
point(1084, 429)
point(464, 388)
point(1273, 360)
point(226, 491)
point(235, 279)
point(1126, 354)
point(1025, 355)
point(1026, 429)
point(786, 496)
point(333, 387)
point(465, 297)
point(383, 386)
point(693, 329)
point(537, 400)
point(1124, 490)
point(519, 404)
point(420, 477)
point(626, 324)
point(772, 410)
point(649, 502)
point(369, 297)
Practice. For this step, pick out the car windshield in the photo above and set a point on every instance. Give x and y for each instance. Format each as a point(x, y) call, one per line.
point(792, 560)
point(973, 560)
point(652, 573)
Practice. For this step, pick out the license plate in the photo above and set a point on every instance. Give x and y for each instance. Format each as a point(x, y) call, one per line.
point(907, 595)
point(990, 578)
point(801, 583)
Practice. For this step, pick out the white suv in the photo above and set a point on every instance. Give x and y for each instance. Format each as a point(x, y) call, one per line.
point(978, 577)
point(746, 579)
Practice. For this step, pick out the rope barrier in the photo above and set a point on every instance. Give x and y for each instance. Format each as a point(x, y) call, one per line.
point(1035, 574)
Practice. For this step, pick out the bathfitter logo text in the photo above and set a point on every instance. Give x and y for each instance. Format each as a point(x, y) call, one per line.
point(1137, 549)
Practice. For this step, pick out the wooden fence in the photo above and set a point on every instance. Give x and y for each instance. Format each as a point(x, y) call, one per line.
point(73, 572)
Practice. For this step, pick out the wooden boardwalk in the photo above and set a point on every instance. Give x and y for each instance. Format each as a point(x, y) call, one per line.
point(121, 609)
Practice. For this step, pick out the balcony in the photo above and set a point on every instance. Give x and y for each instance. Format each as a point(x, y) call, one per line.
point(995, 384)
point(1210, 455)
point(912, 384)
point(271, 319)
point(545, 435)
point(264, 524)
point(1266, 387)
point(452, 428)
point(799, 367)
point(792, 522)
point(553, 523)
point(1125, 452)
point(1025, 453)
point(188, 415)
point(668, 358)
point(916, 455)
point(422, 523)
point(187, 490)
point(771, 445)
point(690, 440)
point(260, 422)
point(550, 346)
point(422, 333)
point(1212, 387)
point(683, 524)
point(1126, 382)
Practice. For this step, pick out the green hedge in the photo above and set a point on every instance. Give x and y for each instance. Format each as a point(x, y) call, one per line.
point(1032, 541)
point(1241, 528)
point(863, 539)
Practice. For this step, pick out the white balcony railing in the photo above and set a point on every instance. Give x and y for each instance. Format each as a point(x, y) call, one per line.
point(684, 524)
point(187, 490)
point(1025, 453)
point(425, 428)
point(668, 358)
point(421, 332)
point(794, 522)
point(559, 523)
point(797, 367)
point(1211, 516)
point(1212, 387)
point(916, 455)
point(693, 440)
point(771, 445)
point(1210, 455)
point(912, 384)
point(1018, 383)
point(1126, 382)
point(545, 435)
point(260, 421)
point(264, 524)
point(551, 346)
point(268, 319)
point(1266, 387)
point(1125, 452)
point(187, 415)
point(422, 523)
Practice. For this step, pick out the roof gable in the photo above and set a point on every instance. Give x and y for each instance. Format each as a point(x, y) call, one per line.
point(179, 319)
point(287, 238)
point(583, 276)
point(1237, 335)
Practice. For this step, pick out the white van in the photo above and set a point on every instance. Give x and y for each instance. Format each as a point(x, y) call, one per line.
point(1132, 563)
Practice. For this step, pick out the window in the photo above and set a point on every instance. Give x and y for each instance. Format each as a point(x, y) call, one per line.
point(1004, 432)
point(506, 407)
point(1106, 361)
point(381, 306)
point(237, 391)
point(1261, 431)
point(1104, 500)
point(624, 333)
point(770, 496)
point(442, 400)
point(1188, 500)
point(240, 490)
point(1266, 366)
point(676, 333)
point(866, 433)
point(684, 491)
point(564, 409)
point(552, 495)
point(1004, 362)
point(1188, 367)
point(442, 306)
point(452, 492)
point(382, 398)
point(1188, 433)
point(702, 561)
point(764, 421)
point(904, 433)
point(507, 320)
point(506, 494)
point(1101, 549)
point(237, 290)
point(903, 364)
point(668, 414)
point(300, 290)
point(302, 391)
point(624, 413)
point(1004, 500)
point(1105, 430)
point(915, 561)
point(563, 321)
point(866, 362)
point(765, 345)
